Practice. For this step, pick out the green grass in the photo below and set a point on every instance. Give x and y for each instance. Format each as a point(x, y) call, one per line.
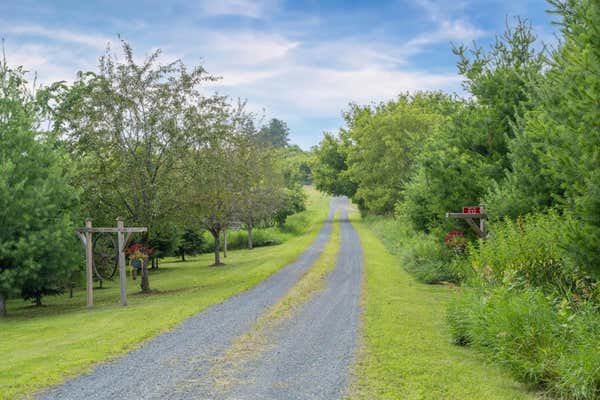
point(43, 346)
point(406, 350)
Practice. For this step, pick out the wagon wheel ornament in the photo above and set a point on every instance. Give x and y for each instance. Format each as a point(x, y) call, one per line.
point(106, 256)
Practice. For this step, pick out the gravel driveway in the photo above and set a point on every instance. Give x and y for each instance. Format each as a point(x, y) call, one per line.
point(309, 358)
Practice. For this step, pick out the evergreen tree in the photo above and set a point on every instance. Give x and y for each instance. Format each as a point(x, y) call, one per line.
point(276, 133)
point(38, 247)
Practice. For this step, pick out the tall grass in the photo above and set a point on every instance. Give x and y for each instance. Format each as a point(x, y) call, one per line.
point(531, 308)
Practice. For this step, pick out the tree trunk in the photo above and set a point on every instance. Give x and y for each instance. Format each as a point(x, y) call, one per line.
point(38, 300)
point(183, 256)
point(145, 284)
point(2, 306)
point(225, 242)
point(216, 235)
point(249, 229)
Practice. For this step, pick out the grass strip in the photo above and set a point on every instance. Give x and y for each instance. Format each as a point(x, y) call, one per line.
point(43, 346)
point(250, 345)
point(406, 350)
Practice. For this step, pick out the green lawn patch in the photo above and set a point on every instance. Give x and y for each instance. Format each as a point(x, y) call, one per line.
point(406, 350)
point(42, 346)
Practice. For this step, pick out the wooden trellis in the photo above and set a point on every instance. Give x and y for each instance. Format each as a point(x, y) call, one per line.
point(123, 236)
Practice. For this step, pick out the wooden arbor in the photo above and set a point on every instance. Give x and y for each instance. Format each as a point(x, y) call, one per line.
point(470, 213)
point(123, 236)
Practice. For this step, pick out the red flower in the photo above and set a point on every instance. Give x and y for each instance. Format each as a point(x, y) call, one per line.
point(450, 236)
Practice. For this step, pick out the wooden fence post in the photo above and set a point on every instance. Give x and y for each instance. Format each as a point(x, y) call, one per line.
point(482, 223)
point(89, 259)
point(122, 269)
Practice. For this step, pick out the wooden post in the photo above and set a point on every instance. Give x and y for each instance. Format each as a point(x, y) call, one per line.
point(89, 259)
point(482, 223)
point(225, 243)
point(122, 270)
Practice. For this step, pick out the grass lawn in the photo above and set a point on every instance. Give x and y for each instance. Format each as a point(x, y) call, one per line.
point(406, 350)
point(41, 346)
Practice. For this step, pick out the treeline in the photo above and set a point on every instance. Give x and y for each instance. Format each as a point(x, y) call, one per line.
point(141, 141)
point(524, 141)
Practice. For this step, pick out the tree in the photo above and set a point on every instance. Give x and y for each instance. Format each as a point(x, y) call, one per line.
point(555, 159)
point(190, 243)
point(37, 203)
point(126, 130)
point(330, 166)
point(210, 173)
point(259, 182)
point(296, 165)
point(276, 133)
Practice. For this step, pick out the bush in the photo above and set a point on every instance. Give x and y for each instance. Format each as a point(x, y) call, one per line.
point(423, 254)
point(531, 308)
point(542, 342)
point(529, 252)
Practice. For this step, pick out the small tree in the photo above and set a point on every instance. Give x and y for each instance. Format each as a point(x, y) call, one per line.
point(190, 243)
point(126, 128)
point(209, 172)
point(37, 245)
point(259, 183)
point(276, 133)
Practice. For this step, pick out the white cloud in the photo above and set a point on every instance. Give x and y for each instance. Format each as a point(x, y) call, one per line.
point(249, 47)
point(295, 77)
point(247, 8)
point(447, 31)
point(49, 63)
point(91, 40)
point(319, 91)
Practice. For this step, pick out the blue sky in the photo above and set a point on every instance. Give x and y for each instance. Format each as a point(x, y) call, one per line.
point(301, 61)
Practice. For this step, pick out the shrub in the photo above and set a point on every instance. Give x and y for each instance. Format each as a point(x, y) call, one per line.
point(529, 252)
point(544, 343)
point(423, 254)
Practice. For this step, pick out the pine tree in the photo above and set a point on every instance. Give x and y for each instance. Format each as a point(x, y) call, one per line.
point(37, 241)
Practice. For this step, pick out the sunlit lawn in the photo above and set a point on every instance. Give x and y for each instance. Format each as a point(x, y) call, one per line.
point(44, 345)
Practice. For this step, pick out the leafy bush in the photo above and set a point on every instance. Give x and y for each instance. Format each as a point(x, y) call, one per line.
point(529, 252)
point(531, 308)
point(423, 254)
point(542, 342)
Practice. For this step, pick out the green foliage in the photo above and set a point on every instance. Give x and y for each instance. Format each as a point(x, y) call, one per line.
point(426, 256)
point(528, 252)
point(406, 351)
point(533, 310)
point(386, 140)
point(541, 342)
point(527, 145)
point(294, 201)
point(330, 167)
point(296, 166)
point(190, 243)
point(555, 155)
point(276, 133)
point(37, 203)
